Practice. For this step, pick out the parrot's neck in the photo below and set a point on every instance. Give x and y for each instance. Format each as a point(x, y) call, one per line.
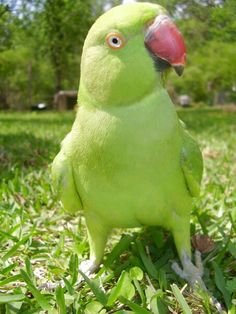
point(88, 100)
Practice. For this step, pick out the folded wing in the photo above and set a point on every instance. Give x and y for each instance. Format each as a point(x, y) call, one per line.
point(191, 162)
point(64, 184)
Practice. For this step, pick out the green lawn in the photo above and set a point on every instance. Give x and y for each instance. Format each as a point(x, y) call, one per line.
point(41, 246)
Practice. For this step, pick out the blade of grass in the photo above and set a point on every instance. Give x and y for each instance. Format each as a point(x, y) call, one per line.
point(7, 298)
point(156, 303)
point(8, 236)
point(140, 291)
point(42, 301)
point(123, 287)
point(150, 267)
point(162, 309)
point(73, 268)
point(100, 295)
point(14, 248)
point(232, 309)
point(60, 300)
point(69, 287)
point(121, 246)
point(10, 279)
point(136, 274)
point(7, 269)
point(134, 306)
point(221, 284)
point(181, 300)
point(29, 270)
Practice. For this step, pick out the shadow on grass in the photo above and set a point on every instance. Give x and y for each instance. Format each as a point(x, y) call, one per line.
point(24, 150)
point(29, 119)
point(30, 140)
point(202, 120)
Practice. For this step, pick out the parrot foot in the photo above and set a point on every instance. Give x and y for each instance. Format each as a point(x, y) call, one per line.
point(88, 267)
point(190, 272)
point(193, 275)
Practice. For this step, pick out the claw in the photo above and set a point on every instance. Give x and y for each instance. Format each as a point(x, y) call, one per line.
point(198, 262)
point(88, 267)
point(178, 270)
point(190, 272)
point(193, 274)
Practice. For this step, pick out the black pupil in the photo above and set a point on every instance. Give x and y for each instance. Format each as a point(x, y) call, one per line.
point(115, 40)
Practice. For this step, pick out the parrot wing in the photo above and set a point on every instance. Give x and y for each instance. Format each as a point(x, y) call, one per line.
point(191, 162)
point(64, 184)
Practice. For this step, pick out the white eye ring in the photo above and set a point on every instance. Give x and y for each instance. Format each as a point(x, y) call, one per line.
point(115, 40)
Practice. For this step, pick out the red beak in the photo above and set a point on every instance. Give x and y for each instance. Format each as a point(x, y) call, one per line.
point(165, 42)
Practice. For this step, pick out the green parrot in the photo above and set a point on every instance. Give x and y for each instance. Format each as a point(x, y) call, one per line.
point(128, 160)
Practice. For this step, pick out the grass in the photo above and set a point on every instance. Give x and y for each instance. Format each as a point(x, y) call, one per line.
point(41, 246)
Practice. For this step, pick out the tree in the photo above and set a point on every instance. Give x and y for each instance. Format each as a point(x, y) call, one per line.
point(65, 24)
point(41, 43)
point(43, 48)
point(209, 29)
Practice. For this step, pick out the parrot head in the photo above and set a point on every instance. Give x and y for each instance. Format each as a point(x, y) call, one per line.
point(125, 53)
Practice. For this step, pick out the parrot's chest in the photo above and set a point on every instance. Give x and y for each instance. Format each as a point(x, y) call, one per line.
point(124, 160)
point(111, 144)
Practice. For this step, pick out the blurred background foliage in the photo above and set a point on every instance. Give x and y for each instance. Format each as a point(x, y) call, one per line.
point(41, 43)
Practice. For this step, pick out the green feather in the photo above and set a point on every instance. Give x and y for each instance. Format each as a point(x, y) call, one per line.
point(191, 162)
point(63, 182)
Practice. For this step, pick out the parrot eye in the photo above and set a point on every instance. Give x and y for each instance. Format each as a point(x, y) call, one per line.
point(115, 41)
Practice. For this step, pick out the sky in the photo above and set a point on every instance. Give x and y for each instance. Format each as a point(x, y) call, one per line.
point(128, 1)
point(108, 4)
